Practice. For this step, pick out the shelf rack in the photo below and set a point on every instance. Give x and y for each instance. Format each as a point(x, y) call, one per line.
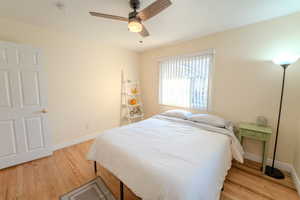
point(134, 111)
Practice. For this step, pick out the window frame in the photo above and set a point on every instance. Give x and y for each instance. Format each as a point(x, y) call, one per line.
point(210, 78)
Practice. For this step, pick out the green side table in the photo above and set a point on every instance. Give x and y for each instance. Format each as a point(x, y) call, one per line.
point(256, 132)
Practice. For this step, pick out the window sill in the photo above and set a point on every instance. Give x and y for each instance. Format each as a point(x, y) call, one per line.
point(185, 108)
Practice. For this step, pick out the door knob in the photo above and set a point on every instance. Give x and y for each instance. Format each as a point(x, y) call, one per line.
point(44, 111)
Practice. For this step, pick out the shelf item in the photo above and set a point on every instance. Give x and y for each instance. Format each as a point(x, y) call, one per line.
point(134, 90)
point(132, 101)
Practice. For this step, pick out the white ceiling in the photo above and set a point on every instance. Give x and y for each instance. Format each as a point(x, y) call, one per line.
point(183, 20)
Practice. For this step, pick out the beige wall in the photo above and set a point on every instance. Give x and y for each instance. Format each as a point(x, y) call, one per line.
point(84, 78)
point(246, 83)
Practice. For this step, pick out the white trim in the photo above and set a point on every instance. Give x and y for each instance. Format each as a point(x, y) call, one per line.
point(296, 180)
point(75, 141)
point(250, 156)
point(278, 164)
point(182, 107)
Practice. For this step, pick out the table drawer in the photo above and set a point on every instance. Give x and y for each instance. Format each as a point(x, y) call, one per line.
point(254, 134)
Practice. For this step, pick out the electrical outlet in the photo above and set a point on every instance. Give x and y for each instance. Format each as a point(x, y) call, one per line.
point(87, 127)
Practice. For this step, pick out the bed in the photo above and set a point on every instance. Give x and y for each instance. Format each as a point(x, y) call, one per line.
point(168, 158)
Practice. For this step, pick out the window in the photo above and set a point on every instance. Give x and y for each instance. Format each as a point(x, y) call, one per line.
point(184, 81)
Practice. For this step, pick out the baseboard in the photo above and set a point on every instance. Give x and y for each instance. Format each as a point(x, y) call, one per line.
point(75, 141)
point(250, 156)
point(278, 164)
point(296, 179)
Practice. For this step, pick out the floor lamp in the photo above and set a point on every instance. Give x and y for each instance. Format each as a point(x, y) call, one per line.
point(284, 62)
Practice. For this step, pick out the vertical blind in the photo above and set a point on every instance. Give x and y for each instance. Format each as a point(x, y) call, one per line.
point(184, 81)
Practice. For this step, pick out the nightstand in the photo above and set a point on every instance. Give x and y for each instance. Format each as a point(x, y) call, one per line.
point(256, 132)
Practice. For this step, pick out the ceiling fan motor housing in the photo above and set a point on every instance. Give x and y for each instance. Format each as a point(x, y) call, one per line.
point(135, 4)
point(132, 15)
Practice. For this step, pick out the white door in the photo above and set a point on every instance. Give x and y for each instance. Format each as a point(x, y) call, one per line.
point(24, 134)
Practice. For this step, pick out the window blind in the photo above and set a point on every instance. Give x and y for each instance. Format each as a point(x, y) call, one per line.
point(184, 81)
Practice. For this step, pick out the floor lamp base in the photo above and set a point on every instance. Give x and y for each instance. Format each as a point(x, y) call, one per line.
point(273, 172)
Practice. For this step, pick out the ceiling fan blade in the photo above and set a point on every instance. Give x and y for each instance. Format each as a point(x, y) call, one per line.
point(109, 16)
point(153, 9)
point(144, 32)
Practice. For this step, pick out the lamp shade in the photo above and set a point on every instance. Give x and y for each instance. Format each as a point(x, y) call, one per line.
point(285, 59)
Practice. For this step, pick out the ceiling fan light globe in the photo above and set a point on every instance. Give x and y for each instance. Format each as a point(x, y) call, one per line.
point(135, 26)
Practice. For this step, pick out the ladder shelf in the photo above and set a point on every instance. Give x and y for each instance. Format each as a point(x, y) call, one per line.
point(132, 100)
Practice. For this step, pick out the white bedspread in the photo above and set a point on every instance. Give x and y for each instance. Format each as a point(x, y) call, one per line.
point(165, 158)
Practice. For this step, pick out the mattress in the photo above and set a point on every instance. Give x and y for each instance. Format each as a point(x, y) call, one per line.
point(164, 158)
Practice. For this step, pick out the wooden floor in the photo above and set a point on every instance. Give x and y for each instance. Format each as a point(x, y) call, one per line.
point(48, 178)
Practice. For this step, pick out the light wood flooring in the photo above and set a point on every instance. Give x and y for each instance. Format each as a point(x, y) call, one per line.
point(48, 178)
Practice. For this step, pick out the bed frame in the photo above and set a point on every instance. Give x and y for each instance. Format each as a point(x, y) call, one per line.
point(122, 184)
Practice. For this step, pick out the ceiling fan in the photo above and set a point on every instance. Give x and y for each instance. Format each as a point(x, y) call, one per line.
point(136, 18)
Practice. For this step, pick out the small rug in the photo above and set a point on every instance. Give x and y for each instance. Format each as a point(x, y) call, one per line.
point(93, 190)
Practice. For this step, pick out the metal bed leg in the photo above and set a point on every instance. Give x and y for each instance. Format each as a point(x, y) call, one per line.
point(121, 183)
point(95, 167)
point(121, 190)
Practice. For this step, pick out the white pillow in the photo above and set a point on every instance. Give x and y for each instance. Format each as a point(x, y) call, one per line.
point(209, 119)
point(177, 113)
